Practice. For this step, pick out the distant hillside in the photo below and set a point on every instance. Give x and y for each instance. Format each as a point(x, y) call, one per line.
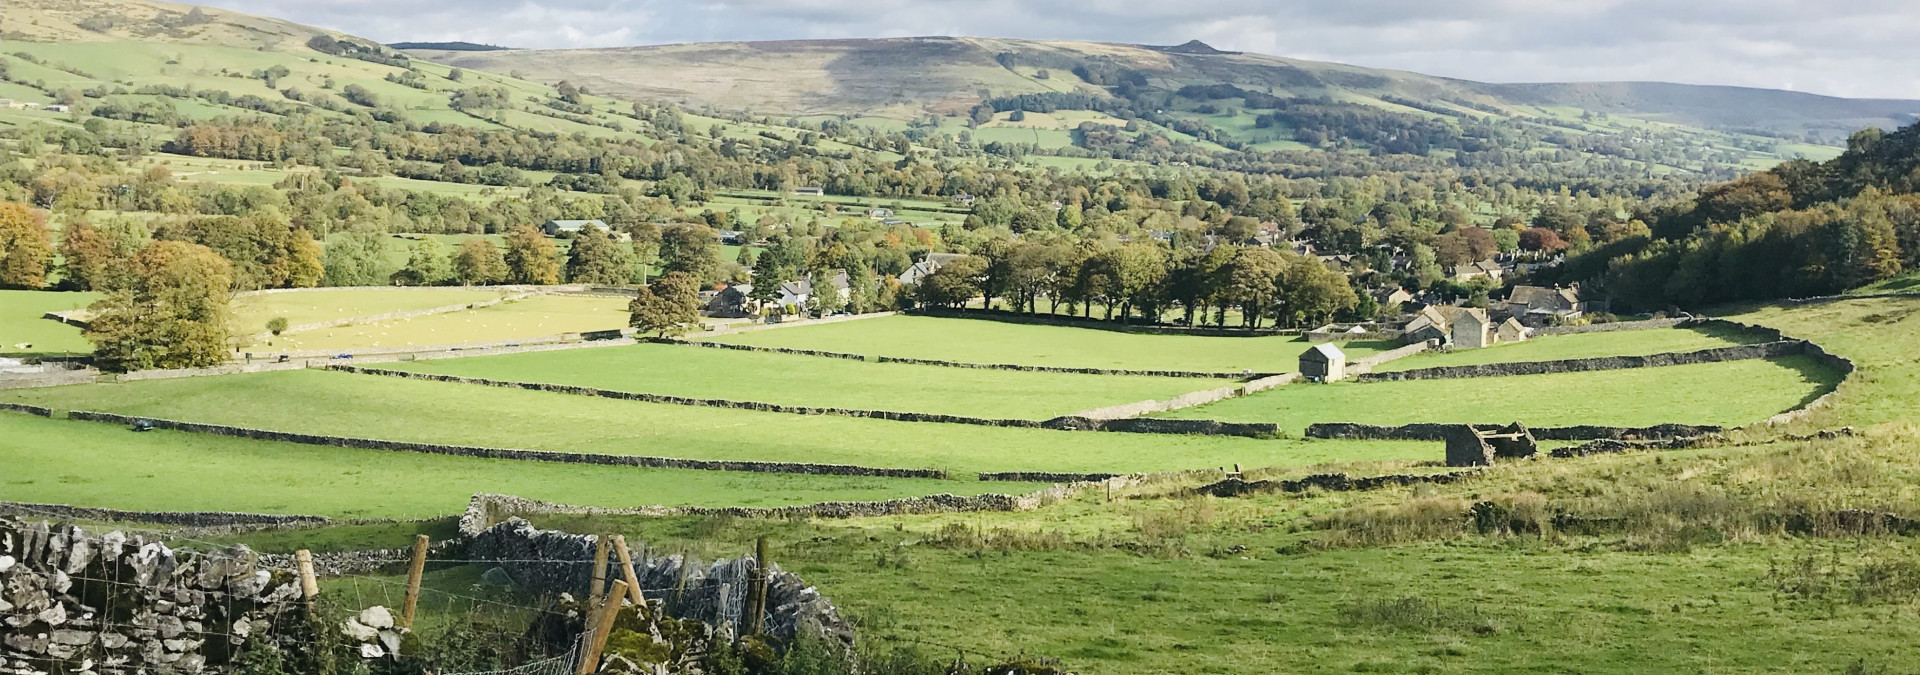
point(144, 21)
point(907, 77)
point(449, 46)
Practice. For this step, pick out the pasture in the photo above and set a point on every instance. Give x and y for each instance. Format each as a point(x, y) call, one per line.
point(813, 381)
point(984, 341)
point(1727, 394)
point(250, 313)
point(370, 406)
point(23, 331)
point(1578, 346)
point(105, 465)
point(536, 317)
point(1880, 335)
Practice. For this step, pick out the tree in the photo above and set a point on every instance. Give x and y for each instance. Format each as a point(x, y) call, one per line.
point(1140, 272)
point(277, 325)
point(646, 249)
point(768, 275)
point(530, 258)
point(1310, 294)
point(173, 314)
point(597, 259)
point(88, 259)
point(478, 262)
point(427, 265)
point(954, 284)
point(353, 259)
point(668, 306)
point(689, 249)
point(1252, 278)
point(1541, 239)
point(26, 246)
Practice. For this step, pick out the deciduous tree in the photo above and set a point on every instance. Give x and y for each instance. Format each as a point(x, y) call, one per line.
point(668, 306)
point(26, 246)
point(530, 258)
point(172, 314)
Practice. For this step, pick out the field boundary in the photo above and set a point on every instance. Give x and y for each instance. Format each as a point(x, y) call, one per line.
point(1065, 321)
point(1764, 350)
point(1646, 324)
point(1437, 431)
point(403, 314)
point(1188, 400)
point(1061, 423)
point(194, 519)
point(510, 453)
point(964, 364)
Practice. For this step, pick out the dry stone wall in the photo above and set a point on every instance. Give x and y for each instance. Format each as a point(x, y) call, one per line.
point(1235, 486)
point(1648, 324)
point(715, 593)
point(405, 314)
point(1366, 365)
point(1427, 431)
point(1765, 350)
point(507, 453)
point(1076, 371)
point(194, 519)
point(27, 409)
point(75, 601)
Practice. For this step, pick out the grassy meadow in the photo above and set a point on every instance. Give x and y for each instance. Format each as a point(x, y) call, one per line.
point(813, 381)
point(90, 464)
point(529, 318)
point(982, 341)
point(1880, 335)
point(323, 304)
point(1726, 394)
point(23, 331)
point(371, 406)
point(1577, 346)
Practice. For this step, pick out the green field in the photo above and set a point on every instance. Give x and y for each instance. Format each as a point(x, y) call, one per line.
point(65, 462)
point(1880, 335)
point(23, 331)
point(535, 317)
point(1726, 394)
point(812, 381)
point(371, 406)
point(250, 313)
point(1577, 346)
point(981, 341)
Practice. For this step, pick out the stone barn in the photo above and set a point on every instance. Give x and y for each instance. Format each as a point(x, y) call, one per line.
point(1323, 363)
point(1472, 330)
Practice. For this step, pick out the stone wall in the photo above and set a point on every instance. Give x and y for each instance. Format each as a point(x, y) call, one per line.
point(1615, 326)
point(1004, 316)
point(1046, 477)
point(28, 409)
point(1427, 431)
point(195, 519)
point(715, 594)
point(1369, 336)
point(1837, 363)
point(49, 379)
point(1079, 371)
point(1366, 365)
point(404, 314)
point(1065, 423)
point(768, 350)
point(1187, 400)
point(1234, 486)
point(76, 602)
point(1765, 350)
point(513, 454)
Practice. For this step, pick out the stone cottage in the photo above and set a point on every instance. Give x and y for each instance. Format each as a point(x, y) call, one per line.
point(1472, 329)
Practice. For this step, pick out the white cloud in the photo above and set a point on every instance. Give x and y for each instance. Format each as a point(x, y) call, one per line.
point(1838, 47)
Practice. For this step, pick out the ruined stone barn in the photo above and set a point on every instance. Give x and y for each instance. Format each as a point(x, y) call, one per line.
point(1323, 363)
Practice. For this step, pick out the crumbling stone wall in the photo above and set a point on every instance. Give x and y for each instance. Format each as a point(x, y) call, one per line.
point(74, 601)
point(1765, 350)
point(713, 593)
point(1235, 486)
point(27, 409)
point(505, 453)
point(1366, 365)
point(1216, 375)
point(1649, 324)
point(1097, 324)
point(767, 350)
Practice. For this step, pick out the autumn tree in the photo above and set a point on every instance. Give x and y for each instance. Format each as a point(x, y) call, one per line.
point(1252, 278)
point(668, 306)
point(172, 314)
point(26, 246)
point(88, 261)
point(530, 258)
point(427, 265)
point(689, 249)
point(478, 262)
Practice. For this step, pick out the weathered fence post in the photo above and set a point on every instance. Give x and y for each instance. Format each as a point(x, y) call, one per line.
point(604, 616)
point(309, 586)
point(626, 570)
point(599, 582)
point(414, 573)
point(756, 608)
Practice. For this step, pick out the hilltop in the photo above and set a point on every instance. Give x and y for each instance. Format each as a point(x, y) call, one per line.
point(908, 77)
point(145, 21)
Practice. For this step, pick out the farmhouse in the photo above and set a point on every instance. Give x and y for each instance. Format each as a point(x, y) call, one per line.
point(729, 302)
point(554, 228)
point(1485, 268)
point(810, 191)
point(880, 214)
point(932, 264)
point(1323, 363)
point(1536, 305)
point(1392, 298)
point(799, 293)
point(1472, 329)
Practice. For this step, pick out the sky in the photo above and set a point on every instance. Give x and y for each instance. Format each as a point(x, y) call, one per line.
point(1855, 48)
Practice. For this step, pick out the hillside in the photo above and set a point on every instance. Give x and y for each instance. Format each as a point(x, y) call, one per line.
point(907, 77)
point(144, 21)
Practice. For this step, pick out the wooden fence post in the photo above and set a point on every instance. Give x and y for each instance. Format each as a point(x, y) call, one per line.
point(598, 585)
point(414, 573)
point(602, 628)
point(626, 570)
point(309, 586)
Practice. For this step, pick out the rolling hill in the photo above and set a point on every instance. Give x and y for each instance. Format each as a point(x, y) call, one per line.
point(904, 78)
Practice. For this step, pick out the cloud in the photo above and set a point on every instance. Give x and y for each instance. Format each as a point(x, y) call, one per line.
point(1861, 48)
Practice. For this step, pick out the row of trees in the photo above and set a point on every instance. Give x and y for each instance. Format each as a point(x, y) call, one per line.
point(1148, 279)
